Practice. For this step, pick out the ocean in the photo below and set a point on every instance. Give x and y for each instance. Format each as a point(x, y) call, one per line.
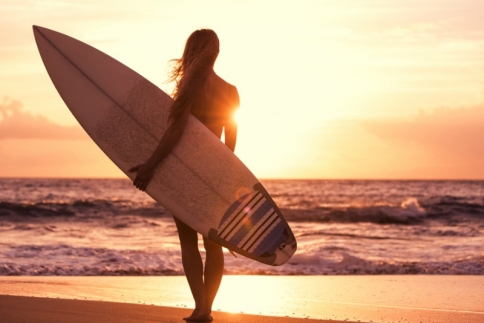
point(87, 227)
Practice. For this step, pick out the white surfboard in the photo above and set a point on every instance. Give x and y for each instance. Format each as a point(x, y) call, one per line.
point(201, 182)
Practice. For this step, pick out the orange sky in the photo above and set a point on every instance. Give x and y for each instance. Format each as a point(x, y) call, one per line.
point(329, 89)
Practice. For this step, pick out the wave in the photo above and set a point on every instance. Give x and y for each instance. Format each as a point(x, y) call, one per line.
point(407, 213)
point(63, 260)
point(351, 265)
point(453, 205)
point(410, 211)
point(11, 269)
point(87, 207)
point(354, 236)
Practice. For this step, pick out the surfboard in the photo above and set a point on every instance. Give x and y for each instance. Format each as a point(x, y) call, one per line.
point(201, 182)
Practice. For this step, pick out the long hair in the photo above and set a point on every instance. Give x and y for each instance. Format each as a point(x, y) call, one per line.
point(190, 71)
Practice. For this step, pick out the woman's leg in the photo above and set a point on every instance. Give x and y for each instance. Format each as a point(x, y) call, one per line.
point(214, 268)
point(193, 267)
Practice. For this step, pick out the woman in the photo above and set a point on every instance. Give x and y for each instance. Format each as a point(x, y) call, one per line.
point(213, 101)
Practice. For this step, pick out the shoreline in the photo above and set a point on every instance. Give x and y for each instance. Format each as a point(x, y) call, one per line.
point(410, 299)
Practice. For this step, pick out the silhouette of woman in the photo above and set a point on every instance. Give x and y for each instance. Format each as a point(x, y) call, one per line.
point(213, 101)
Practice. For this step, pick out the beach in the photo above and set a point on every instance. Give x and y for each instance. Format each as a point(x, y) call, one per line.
point(396, 298)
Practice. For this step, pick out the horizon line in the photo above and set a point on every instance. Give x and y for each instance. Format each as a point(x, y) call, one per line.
point(264, 179)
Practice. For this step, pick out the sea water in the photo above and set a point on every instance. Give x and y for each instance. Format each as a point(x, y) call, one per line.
point(107, 227)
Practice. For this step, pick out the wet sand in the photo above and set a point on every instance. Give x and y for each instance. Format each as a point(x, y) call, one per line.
point(409, 299)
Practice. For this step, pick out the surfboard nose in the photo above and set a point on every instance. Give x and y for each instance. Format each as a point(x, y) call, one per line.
point(39, 33)
point(37, 29)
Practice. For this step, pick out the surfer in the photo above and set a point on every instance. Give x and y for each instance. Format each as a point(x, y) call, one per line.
point(213, 101)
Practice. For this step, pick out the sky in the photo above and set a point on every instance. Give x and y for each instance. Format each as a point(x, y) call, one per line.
point(344, 89)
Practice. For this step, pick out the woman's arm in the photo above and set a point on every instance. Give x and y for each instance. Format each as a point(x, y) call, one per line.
point(231, 125)
point(231, 135)
point(167, 142)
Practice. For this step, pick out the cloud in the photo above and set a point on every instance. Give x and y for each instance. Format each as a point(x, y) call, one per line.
point(450, 133)
point(54, 158)
point(18, 124)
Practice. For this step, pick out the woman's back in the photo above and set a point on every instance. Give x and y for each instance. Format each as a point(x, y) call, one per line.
point(216, 104)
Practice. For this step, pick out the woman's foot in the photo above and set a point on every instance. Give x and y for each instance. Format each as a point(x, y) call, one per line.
point(201, 318)
point(199, 315)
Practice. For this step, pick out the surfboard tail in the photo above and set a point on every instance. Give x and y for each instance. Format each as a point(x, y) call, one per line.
point(254, 227)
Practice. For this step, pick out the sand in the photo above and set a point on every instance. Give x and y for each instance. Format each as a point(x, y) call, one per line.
point(21, 309)
point(409, 299)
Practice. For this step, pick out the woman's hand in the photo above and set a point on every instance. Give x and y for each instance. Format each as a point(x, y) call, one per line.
point(143, 175)
point(167, 142)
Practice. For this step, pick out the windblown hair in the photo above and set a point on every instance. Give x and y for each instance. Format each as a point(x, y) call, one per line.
point(190, 71)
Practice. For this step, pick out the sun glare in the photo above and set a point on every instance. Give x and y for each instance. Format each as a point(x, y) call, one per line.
point(236, 116)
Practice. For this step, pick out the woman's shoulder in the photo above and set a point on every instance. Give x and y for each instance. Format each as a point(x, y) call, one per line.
point(227, 88)
point(222, 83)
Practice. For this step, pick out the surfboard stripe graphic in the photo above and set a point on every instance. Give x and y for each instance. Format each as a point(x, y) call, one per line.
point(229, 221)
point(247, 211)
point(245, 218)
point(273, 240)
point(231, 212)
point(264, 232)
point(256, 228)
point(239, 217)
point(252, 224)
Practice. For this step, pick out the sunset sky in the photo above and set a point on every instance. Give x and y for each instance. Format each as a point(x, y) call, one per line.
point(371, 89)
